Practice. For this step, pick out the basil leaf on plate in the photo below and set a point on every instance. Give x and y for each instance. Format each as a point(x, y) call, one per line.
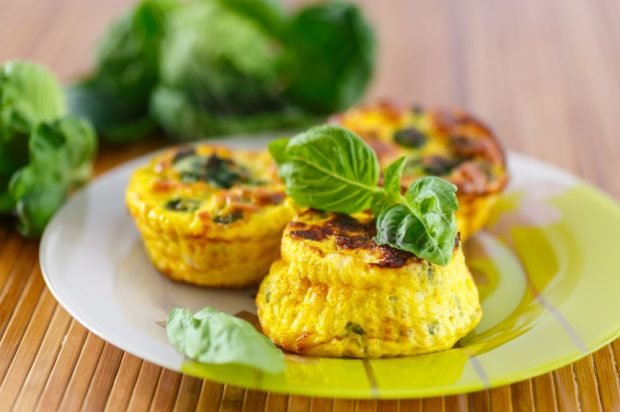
point(328, 168)
point(211, 336)
point(424, 223)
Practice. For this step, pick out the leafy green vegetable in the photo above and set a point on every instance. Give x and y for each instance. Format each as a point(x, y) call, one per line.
point(222, 60)
point(182, 118)
point(117, 120)
point(211, 336)
point(13, 155)
point(116, 96)
point(60, 158)
point(29, 94)
point(330, 56)
point(220, 70)
point(331, 169)
point(391, 178)
point(43, 155)
point(212, 67)
point(424, 222)
point(391, 187)
point(268, 14)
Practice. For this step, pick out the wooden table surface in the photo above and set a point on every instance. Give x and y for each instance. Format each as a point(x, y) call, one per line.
point(545, 74)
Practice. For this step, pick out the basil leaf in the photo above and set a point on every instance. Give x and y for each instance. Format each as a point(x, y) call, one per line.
point(424, 224)
point(328, 168)
point(391, 192)
point(432, 193)
point(211, 336)
point(331, 169)
point(392, 175)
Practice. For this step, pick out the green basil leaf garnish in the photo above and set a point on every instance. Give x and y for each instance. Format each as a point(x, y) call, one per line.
point(215, 337)
point(391, 177)
point(424, 223)
point(329, 168)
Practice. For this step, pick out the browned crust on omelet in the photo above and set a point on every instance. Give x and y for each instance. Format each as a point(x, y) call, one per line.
point(349, 233)
point(467, 137)
point(470, 138)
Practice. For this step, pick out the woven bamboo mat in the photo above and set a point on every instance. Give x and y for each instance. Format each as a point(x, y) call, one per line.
point(545, 74)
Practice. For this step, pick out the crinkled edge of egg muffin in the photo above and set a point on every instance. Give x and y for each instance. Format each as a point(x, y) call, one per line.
point(336, 293)
point(209, 215)
point(451, 144)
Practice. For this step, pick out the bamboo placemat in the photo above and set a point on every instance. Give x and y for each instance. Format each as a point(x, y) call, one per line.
point(545, 74)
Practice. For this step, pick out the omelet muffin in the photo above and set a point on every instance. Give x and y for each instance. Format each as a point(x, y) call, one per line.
point(336, 293)
point(210, 216)
point(447, 143)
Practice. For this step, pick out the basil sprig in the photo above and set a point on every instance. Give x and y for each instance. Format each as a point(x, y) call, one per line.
point(215, 337)
point(331, 169)
point(328, 168)
point(423, 221)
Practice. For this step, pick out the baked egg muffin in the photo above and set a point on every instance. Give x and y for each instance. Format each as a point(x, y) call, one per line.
point(450, 144)
point(336, 293)
point(210, 216)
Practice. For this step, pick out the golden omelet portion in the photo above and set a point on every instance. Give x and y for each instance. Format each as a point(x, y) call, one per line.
point(209, 215)
point(336, 293)
point(449, 144)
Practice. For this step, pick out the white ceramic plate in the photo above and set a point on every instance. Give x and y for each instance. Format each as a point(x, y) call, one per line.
point(542, 279)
